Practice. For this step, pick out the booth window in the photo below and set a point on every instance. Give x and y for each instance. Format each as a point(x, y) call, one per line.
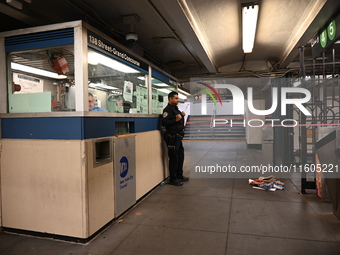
point(115, 86)
point(160, 91)
point(42, 80)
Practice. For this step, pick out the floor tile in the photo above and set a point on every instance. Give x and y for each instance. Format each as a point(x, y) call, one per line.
point(200, 187)
point(277, 219)
point(109, 240)
point(192, 212)
point(8, 240)
point(332, 223)
point(41, 246)
point(103, 244)
point(148, 240)
point(145, 208)
point(259, 245)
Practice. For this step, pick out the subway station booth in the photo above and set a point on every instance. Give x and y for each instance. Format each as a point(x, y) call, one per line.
point(83, 164)
point(66, 170)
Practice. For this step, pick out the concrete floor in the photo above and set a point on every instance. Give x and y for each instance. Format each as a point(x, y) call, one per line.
point(209, 216)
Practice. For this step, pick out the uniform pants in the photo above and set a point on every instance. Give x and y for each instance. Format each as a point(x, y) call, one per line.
point(176, 159)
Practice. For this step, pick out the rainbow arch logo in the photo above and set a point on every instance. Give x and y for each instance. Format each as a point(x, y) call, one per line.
point(209, 93)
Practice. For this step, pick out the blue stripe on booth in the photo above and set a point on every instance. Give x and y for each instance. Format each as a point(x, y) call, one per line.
point(146, 124)
point(99, 127)
point(43, 128)
point(39, 40)
point(70, 128)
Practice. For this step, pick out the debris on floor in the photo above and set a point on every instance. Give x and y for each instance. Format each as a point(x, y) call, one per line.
point(267, 183)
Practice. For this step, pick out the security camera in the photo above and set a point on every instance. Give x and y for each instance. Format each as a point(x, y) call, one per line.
point(131, 37)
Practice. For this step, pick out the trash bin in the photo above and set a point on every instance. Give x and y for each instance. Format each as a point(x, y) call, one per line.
point(124, 169)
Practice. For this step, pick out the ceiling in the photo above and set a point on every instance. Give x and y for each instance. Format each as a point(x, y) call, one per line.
point(190, 38)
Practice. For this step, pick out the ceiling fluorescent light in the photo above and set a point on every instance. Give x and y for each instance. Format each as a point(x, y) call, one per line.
point(181, 96)
point(101, 85)
point(160, 84)
point(95, 59)
point(37, 71)
point(165, 91)
point(249, 19)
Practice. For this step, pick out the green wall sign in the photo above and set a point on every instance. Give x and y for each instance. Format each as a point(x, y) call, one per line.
point(331, 30)
point(323, 38)
point(326, 37)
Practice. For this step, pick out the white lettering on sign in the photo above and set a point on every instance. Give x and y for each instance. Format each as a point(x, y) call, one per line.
point(99, 43)
point(124, 182)
point(315, 41)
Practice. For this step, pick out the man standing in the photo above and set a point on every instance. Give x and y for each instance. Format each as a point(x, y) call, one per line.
point(93, 107)
point(173, 121)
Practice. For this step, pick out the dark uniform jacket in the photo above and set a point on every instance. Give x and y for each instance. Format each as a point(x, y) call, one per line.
point(169, 120)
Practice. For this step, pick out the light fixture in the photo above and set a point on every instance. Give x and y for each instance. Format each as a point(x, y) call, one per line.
point(95, 59)
point(181, 96)
point(101, 85)
point(160, 85)
point(166, 91)
point(37, 71)
point(249, 19)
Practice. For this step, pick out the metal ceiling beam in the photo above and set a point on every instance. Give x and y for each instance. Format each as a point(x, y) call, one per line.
point(19, 15)
point(192, 39)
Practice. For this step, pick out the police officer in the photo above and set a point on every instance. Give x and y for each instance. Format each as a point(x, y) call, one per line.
point(173, 121)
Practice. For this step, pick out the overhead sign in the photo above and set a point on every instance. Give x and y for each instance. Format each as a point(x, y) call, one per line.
point(105, 46)
point(163, 77)
point(327, 36)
